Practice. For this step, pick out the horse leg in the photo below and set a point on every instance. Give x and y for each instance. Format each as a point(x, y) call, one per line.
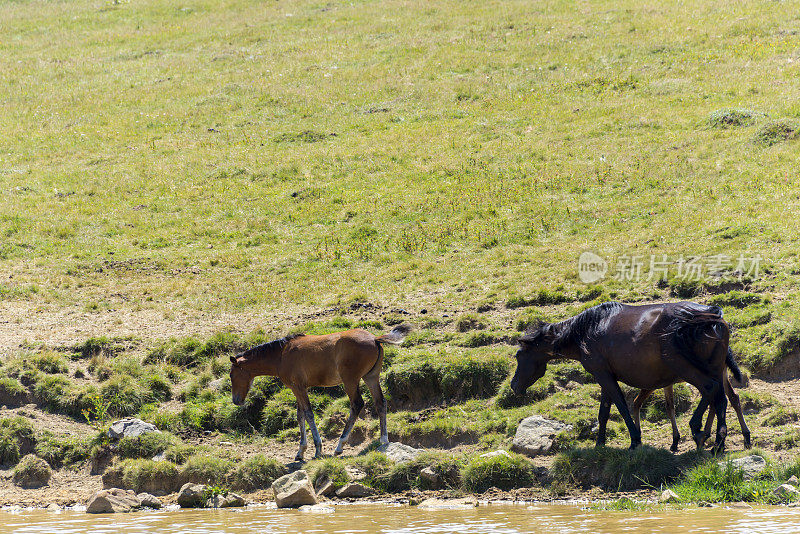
point(372, 379)
point(356, 404)
point(669, 400)
point(737, 406)
point(308, 415)
point(610, 386)
point(302, 422)
point(602, 418)
point(637, 405)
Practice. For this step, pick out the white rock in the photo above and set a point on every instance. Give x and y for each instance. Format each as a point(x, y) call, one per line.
point(668, 496)
point(130, 427)
point(535, 435)
point(294, 490)
point(751, 465)
point(399, 453)
point(786, 490)
point(113, 500)
point(354, 490)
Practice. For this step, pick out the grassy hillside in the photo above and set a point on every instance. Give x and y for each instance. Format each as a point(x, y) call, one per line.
point(234, 156)
point(309, 166)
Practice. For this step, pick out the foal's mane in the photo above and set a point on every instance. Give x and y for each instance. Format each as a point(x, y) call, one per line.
point(578, 329)
point(265, 349)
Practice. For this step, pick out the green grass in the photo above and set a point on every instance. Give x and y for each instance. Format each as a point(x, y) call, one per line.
point(504, 472)
point(257, 472)
point(618, 469)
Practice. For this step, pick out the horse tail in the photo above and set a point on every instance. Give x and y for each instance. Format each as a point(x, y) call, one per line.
point(396, 336)
point(730, 361)
point(693, 322)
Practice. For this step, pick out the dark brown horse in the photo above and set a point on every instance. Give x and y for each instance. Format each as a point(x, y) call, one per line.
point(669, 401)
point(648, 347)
point(301, 361)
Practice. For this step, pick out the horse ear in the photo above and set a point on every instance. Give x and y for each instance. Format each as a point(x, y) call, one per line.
point(233, 359)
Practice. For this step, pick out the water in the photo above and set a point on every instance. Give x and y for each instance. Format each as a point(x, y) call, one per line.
point(389, 519)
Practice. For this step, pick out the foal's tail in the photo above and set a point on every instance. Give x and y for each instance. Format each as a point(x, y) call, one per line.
point(396, 336)
point(692, 323)
point(730, 361)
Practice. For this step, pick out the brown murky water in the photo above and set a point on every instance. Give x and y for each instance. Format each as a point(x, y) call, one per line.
point(490, 519)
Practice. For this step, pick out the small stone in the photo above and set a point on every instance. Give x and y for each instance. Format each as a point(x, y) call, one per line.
point(113, 500)
point(535, 435)
point(742, 505)
point(130, 427)
point(294, 490)
point(786, 490)
point(53, 507)
point(355, 473)
point(668, 496)
point(751, 465)
point(399, 453)
point(430, 476)
point(793, 481)
point(706, 504)
point(354, 490)
point(326, 489)
point(232, 500)
point(191, 495)
point(149, 501)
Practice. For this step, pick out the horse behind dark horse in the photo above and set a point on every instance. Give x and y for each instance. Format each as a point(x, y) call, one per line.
point(648, 347)
point(302, 361)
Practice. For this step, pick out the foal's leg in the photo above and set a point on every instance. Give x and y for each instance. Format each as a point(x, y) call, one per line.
point(637, 405)
point(737, 406)
point(308, 415)
point(302, 422)
point(669, 400)
point(374, 385)
point(356, 404)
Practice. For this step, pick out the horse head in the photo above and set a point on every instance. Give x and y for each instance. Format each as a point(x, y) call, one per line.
point(241, 379)
point(535, 350)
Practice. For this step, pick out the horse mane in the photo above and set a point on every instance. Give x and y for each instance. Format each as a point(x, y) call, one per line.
point(265, 349)
point(579, 329)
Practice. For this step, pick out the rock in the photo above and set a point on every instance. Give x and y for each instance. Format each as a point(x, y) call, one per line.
point(294, 490)
point(324, 487)
point(317, 508)
point(354, 490)
point(191, 495)
point(793, 481)
point(706, 504)
point(493, 454)
point(130, 427)
point(668, 496)
point(32, 472)
point(399, 453)
point(786, 490)
point(53, 507)
point(149, 501)
point(535, 435)
point(217, 384)
point(113, 500)
point(742, 505)
point(751, 465)
point(431, 477)
point(232, 500)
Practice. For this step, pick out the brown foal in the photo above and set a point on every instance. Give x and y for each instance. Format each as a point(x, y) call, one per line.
point(669, 401)
point(302, 361)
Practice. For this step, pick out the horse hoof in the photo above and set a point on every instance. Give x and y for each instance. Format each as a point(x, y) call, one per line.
point(674, 448)
point(337, 452)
